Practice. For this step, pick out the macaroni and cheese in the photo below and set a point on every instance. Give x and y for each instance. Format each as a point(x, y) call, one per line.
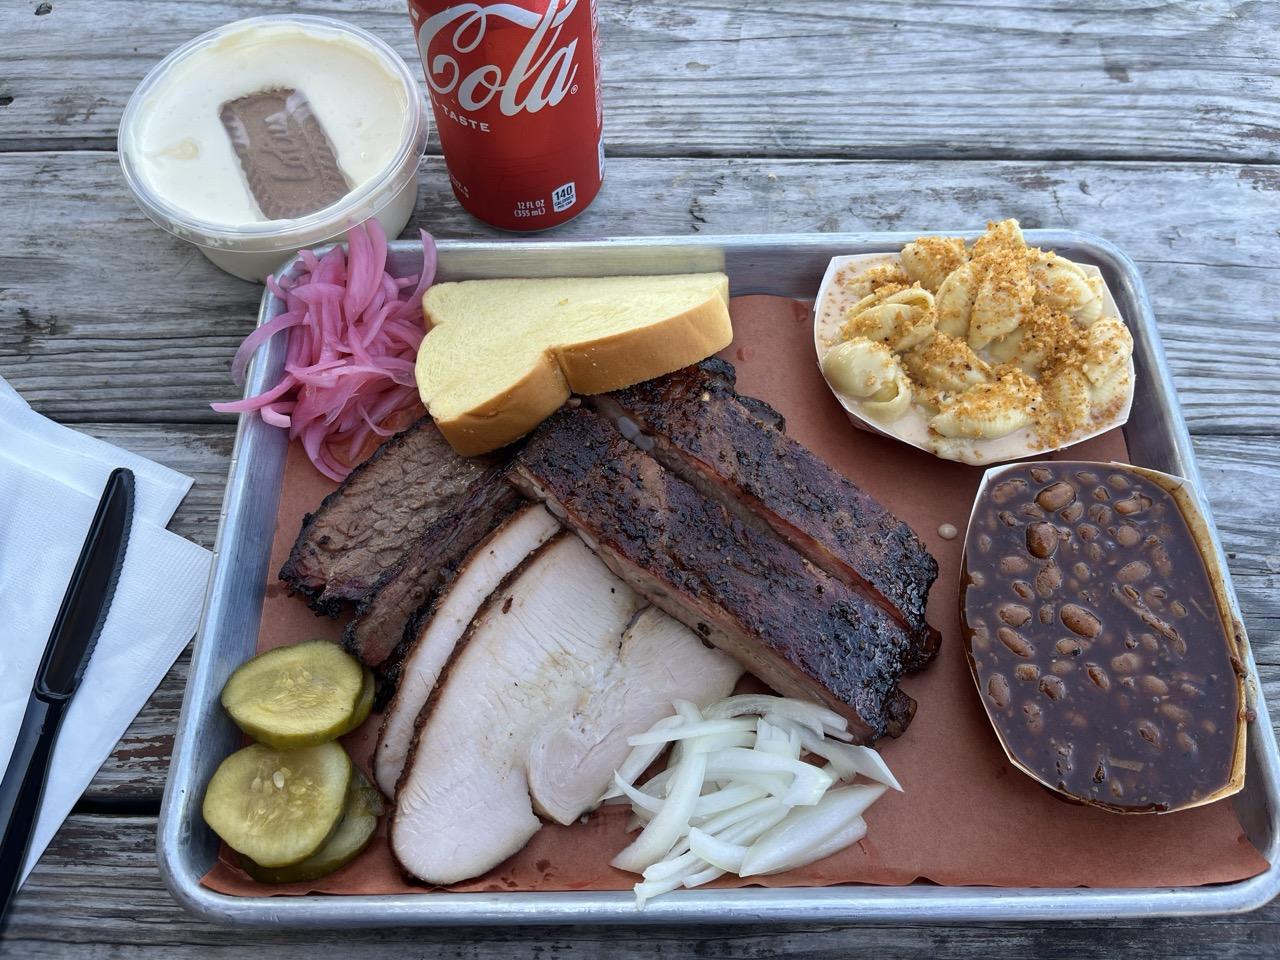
point(976, 343)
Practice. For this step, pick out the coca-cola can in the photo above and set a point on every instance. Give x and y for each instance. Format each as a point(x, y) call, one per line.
point(515, 86)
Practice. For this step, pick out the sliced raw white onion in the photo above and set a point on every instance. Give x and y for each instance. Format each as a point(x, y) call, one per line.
point(718, 741)
point(812, 715)
point(864, 761)
point(771, 738)
point(678, 864)
point(738, 794)
point(734, 760)
point(667, 826)
point(854, 831)
point(639, 759)
point(808, 782)
point(639, 799)
point(697, 871)
point(847, 759)
point(808, 789)
point(750, 830)
point(688, 712)
point(719, 853)
point(774, 784)
point(685, 731)
point(657, 784)
point(726, 798)
point(648, 889)
point(755, 808)
point(805, 830)
point(703, 876)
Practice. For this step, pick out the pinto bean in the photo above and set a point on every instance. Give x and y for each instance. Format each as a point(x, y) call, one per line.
point(1093, 632)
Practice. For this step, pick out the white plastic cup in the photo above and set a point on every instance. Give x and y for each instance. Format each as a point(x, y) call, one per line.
point(254, 250)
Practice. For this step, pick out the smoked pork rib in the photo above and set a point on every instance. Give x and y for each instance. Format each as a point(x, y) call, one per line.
point(366, 527)
point(695, 424)
point(379, 625)
point(791, 624)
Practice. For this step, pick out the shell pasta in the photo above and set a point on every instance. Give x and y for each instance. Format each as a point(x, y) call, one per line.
point(983, 340)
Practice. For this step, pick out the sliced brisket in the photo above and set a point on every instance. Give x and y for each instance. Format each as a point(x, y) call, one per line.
point(790, 623)
point(365, 527)
point(696, 425)
point(376, 631)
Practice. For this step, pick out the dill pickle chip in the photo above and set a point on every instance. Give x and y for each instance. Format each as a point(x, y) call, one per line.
point(278, 807)
point(357, 827)
point(364, 705)
point(297, 696)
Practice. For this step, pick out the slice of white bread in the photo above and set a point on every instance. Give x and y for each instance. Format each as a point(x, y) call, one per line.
point(501, 356)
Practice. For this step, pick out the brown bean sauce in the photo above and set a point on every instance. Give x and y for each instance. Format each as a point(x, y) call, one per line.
point(1095, 637)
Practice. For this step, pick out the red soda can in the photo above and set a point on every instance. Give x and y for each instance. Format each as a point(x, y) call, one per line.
point(515, 85)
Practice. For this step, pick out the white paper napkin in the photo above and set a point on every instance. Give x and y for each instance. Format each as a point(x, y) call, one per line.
point(51, 478)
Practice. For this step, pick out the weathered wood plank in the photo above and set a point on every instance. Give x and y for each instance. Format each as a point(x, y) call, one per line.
point(1240, 473)
point(201, 451)
point(97, 894)
point(105, 317)
point(1138, 80)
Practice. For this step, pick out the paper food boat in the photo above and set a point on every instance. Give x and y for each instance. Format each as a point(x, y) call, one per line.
point(1189, 503)
point(912, 427)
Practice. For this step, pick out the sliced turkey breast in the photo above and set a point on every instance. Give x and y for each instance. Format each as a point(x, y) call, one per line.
point(572, 759)
point(540, 695)
point(462, 804)
point(476, 578)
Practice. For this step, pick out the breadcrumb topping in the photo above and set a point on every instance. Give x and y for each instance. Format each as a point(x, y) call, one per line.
point(1022, 344)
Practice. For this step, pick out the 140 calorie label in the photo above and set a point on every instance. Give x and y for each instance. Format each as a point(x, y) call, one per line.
point(562, 198)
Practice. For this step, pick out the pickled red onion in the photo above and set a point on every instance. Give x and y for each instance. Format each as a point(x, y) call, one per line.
point(353, 331)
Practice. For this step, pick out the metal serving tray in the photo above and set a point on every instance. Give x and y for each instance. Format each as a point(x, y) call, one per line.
point(790, 266)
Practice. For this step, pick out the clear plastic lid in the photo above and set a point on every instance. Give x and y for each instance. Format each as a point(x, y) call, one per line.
point(364, 200)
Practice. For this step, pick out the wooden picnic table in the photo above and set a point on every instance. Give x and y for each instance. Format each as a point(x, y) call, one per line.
point(1153, 124)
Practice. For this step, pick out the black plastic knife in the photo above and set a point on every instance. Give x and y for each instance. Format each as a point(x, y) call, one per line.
point(75, 633)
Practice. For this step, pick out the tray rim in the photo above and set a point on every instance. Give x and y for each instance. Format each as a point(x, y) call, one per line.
point(918, 902)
